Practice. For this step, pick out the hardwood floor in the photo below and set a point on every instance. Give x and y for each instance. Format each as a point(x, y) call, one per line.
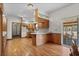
point(24, 47)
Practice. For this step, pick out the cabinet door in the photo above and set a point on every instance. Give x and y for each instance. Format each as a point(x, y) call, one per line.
point(1, 42)
point(57, 38)
point(43, 24)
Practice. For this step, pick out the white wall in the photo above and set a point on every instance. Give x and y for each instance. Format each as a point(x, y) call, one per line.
point(9, 26)
point(56, 18)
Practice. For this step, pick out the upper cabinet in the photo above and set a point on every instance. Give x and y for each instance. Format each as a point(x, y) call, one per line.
point(38, 23)
point(1, 6)
point(43, 23)
point(41, 19)
point(4, 23)
point(39, 14)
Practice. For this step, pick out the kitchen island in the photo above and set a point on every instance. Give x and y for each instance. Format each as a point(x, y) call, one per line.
point(40, 38)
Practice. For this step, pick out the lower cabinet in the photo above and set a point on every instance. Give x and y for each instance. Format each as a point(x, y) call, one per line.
point(40, 39)
point(54, 38)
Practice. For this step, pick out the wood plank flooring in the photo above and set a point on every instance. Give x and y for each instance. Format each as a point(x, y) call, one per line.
point(24, 47)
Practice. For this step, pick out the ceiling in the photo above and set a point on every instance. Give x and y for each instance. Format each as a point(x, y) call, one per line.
point(20, 9)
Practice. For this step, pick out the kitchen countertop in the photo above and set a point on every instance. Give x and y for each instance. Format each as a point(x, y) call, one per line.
point(40, 32)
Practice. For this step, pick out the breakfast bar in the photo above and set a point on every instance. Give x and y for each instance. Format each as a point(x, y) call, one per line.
point(39, 38)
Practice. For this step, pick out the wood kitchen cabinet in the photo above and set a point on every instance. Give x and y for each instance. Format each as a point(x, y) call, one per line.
point(57, 38)
point(54, 38)
point(43, 23)
point(1, 38)
point(33, 39)
point(4, 24)
point(40, 39)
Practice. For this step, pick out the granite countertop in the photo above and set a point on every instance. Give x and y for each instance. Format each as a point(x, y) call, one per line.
point(43, 31)
point(40, 33)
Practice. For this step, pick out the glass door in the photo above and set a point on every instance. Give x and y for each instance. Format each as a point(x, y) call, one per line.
point(78, 31)
point(70, 32)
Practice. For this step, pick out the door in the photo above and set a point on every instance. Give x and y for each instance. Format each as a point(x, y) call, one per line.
point(1, 38)
point(70, 33)
point(16, 29)
point(78, 31)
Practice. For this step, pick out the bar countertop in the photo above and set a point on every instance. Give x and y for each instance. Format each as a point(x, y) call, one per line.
point(40, 32)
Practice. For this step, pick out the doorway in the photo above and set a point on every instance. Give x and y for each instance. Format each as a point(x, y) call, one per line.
point(16, 29)
point(70, 33)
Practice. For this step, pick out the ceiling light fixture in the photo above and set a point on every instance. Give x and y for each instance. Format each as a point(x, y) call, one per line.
point(30, 6)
